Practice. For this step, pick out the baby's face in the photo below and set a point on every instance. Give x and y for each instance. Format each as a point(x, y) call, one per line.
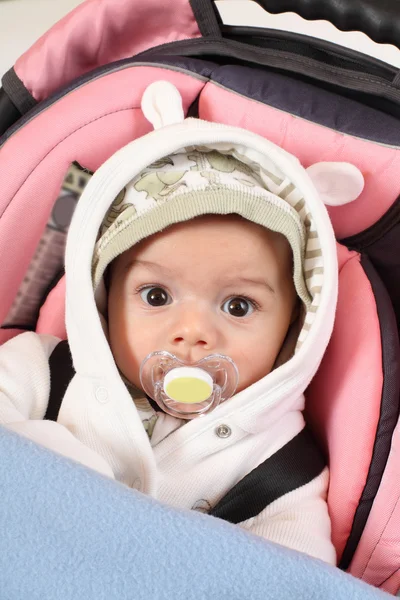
point(211, 285)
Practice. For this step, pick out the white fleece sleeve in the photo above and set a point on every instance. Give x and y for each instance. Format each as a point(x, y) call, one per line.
point(299, 520)
point(24, 395)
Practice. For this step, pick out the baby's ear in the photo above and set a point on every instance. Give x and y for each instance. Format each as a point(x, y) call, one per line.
point(337, 182)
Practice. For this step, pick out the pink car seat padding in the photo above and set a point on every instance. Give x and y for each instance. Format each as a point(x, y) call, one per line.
point(52, 314)
point(97, 33)
point(61, 135)
point(392, 585)
point(348, 384)
point(377, 557)
point(379, 164)
point(7, 334)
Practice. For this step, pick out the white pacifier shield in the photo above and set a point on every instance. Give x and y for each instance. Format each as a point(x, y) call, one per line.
point(184, 390)
point(189, 385)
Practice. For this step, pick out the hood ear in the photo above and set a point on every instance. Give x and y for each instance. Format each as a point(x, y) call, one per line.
point(162, 104)
point(336, 182)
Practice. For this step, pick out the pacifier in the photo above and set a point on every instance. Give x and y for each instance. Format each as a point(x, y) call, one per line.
point(188, 391)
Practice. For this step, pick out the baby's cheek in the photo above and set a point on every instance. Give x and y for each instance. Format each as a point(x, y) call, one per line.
point(254, 365)
point(259, 352)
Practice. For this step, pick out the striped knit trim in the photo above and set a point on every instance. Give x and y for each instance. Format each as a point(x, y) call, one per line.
point(313, 266)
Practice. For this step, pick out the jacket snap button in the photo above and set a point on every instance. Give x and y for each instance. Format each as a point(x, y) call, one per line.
point(102, 395)
point(223, 431)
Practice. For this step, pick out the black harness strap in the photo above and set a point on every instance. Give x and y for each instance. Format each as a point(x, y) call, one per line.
point(61, 373)
point(294, 465)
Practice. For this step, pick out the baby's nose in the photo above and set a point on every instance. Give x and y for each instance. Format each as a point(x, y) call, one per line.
point(194, 329)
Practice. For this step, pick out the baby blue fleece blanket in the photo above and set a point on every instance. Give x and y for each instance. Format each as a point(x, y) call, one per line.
point(69, 533)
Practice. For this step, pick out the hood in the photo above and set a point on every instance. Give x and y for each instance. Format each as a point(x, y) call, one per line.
point(283, 181)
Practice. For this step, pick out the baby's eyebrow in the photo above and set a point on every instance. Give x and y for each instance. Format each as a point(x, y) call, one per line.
point(260, 282)
point(147, 264)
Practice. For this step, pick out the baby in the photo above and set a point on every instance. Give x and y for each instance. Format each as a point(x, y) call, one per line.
point(209, 249)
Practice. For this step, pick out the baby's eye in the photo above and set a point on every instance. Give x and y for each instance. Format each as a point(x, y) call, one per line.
point(155, 296)
point(238, 307)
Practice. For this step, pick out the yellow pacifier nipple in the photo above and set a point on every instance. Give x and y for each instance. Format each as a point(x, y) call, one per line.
point(188, 385)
